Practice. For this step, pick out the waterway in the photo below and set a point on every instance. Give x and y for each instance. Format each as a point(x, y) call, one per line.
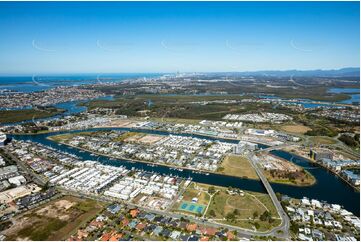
point(38, 83)
point(353, 92)
point(328, 187)
point(71, 107)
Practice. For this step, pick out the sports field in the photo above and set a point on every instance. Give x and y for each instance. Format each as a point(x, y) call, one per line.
point(192, 207)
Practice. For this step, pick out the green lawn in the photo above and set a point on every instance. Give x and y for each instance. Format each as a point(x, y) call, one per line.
point(239, 210)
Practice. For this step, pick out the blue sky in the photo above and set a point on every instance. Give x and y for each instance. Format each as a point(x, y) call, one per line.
point(115, 37)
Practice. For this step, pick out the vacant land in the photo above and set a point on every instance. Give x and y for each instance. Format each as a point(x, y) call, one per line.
point(60, 137)
point(63, 137)
point(55, 220)
point(283, 171)
point(176, 120)
point(299, 178)
point(236, 165)
point(244, 209)
point(322, 140)
point(128, 137)
point(297, 129)
point(7, 116)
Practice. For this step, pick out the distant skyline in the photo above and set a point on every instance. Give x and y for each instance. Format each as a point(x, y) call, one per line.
point(135, 37)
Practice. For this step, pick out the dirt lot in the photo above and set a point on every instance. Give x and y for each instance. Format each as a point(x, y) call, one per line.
point(122, 123)
point(55, 220)
point(130, 137)
point(150, 139)
point(286, 172)
point(297, 129)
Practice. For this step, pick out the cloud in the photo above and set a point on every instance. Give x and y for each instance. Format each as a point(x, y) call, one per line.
point(33, 78)
point(40, 48)
point(241, 46)
point(177, 47)
point(294, 46)
point(113, 47)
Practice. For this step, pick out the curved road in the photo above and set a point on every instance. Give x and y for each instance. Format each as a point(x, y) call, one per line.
point(285, 224)
point(242, 233)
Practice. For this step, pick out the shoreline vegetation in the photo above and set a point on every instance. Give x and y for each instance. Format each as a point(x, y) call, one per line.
point(185, 106)
point(314, 92)
point(9, 116)
point(324, 167)
point(309, 180)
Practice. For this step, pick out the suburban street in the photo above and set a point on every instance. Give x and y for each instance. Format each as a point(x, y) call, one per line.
point(245, 233)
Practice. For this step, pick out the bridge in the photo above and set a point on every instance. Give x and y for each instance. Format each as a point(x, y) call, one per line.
point(285, 224)
point(277, 147)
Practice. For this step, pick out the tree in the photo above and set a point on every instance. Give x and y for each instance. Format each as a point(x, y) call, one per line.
point(256, 225)
point(266, 216)
point(230, 216)
point(211, 190)
point(236, 212)
point(294, 227)
point(357, 138)
point(311, 220)
point(255, 214)
point(263, 216)
point(212, 213)
point(348, 140)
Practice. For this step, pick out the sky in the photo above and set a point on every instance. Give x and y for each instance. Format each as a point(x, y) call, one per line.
point(124, 37)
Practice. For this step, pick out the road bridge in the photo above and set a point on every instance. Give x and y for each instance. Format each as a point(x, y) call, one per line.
point(277, 147)
point(285, 224)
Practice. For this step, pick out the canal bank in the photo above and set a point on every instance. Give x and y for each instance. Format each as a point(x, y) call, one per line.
point(327, 188)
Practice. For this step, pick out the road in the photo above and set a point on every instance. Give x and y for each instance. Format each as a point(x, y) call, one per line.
point(242, 233)
point(179, 194)
point(36, 178)
point(277, 147)
point(285, 224)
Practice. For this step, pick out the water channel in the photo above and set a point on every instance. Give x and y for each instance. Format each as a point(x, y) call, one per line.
point(328, 187)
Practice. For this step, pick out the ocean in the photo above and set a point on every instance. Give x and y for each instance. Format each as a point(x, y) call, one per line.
point(42, 82)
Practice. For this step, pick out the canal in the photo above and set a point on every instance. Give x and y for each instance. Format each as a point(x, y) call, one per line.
point(328, 187)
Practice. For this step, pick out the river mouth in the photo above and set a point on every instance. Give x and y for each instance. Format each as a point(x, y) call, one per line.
point(328, 187)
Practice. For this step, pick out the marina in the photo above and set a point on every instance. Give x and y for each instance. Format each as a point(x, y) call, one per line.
point(325, 188)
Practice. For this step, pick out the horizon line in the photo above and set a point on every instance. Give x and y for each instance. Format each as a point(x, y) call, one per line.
point(168, 72)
